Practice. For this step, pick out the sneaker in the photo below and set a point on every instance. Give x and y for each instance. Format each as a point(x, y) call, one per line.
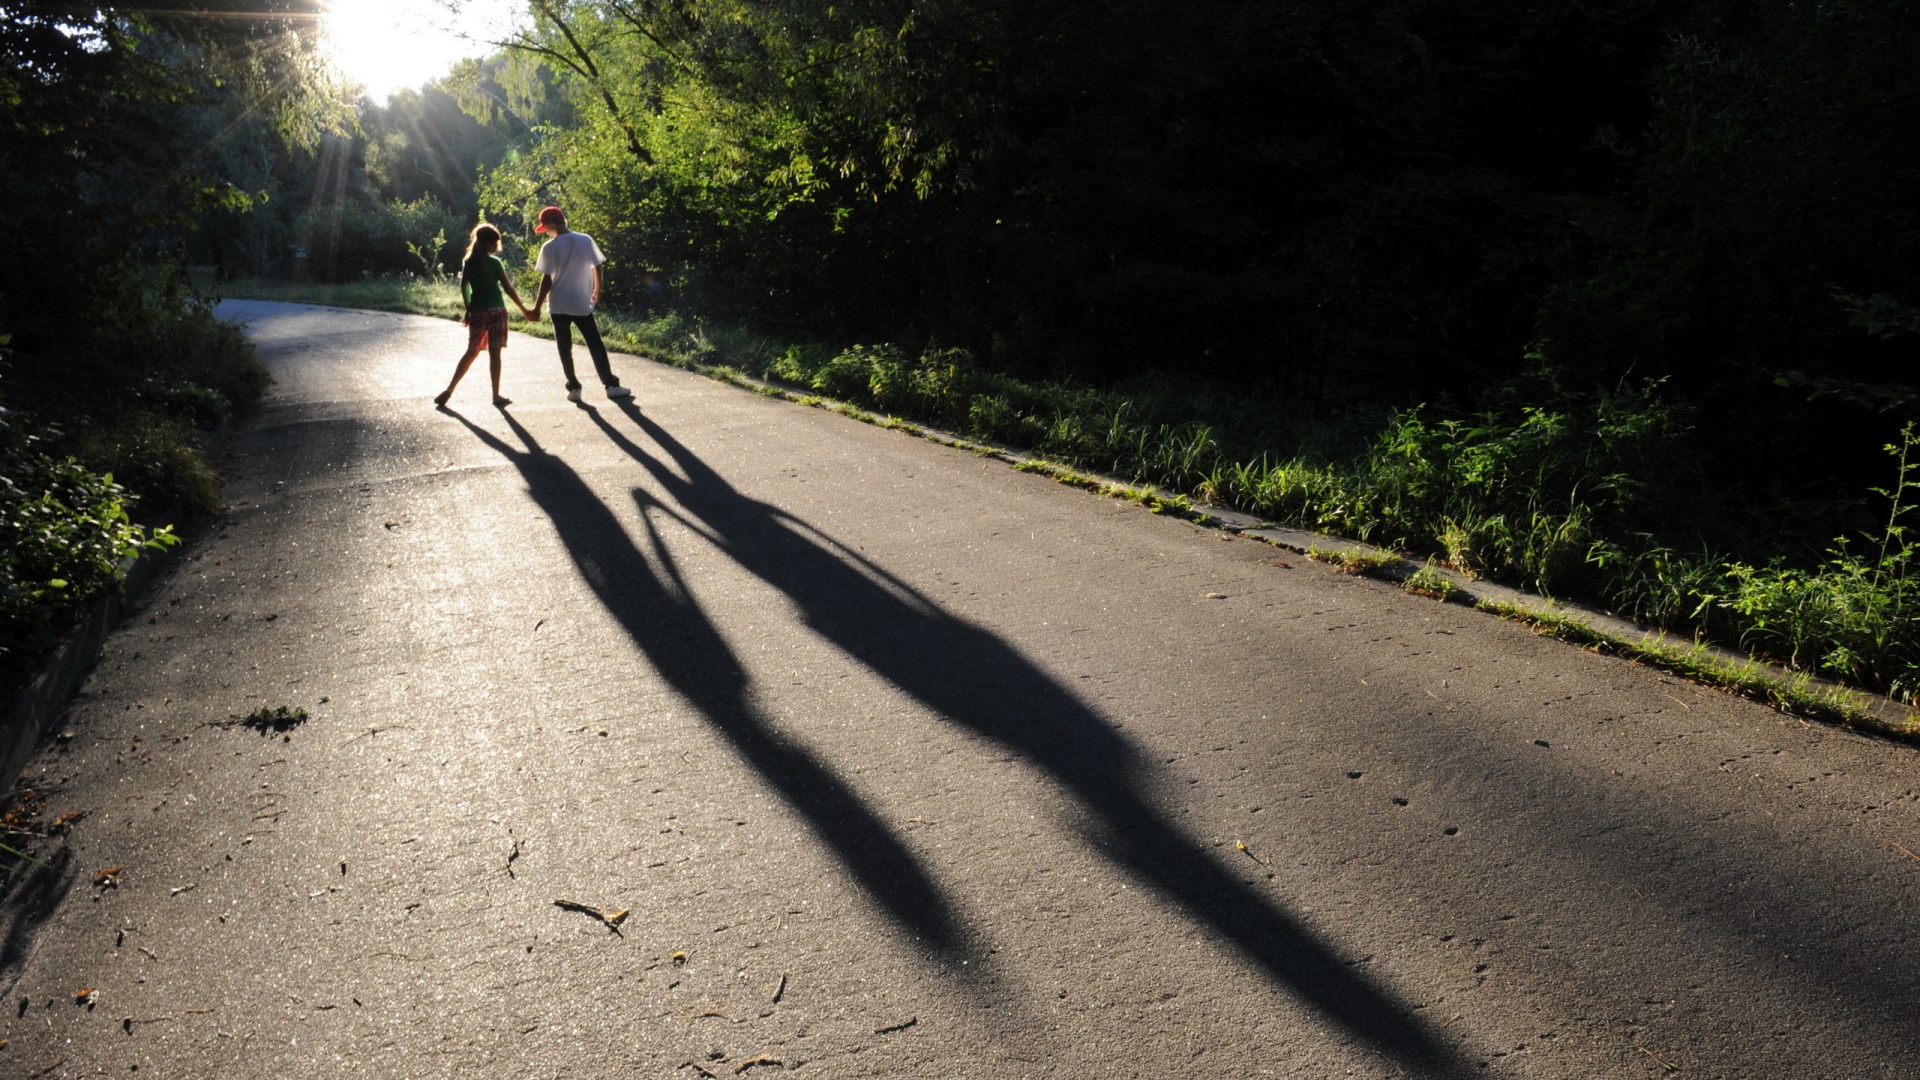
point(618, 392)
point(573, 395)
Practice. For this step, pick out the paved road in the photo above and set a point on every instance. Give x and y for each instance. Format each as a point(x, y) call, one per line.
point(901, 764)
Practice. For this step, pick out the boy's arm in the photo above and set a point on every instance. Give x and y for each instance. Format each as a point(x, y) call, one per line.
point(546, 286)
point(599, 283)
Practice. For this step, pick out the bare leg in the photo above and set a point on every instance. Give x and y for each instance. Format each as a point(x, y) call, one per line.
point(460, 371)
point(493, 368)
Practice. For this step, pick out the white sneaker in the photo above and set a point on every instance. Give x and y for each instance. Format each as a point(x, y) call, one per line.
point(618, 392)
point(573, 394)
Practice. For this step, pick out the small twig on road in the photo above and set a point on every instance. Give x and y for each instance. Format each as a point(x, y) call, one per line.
point(781, 990)
point(1902, 849)
point(911, 1021)
point(1668, 1065)
point(612, 919)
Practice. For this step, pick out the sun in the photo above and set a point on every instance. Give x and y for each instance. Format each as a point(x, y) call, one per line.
point(390, 45)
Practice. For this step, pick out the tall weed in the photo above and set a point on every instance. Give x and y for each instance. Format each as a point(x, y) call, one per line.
point(1855, 615)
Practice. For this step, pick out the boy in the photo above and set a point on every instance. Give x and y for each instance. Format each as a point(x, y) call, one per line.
point(569, 266)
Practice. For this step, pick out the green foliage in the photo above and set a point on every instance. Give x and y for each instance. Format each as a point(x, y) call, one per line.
point(439, 296)
point(348, 239)
point(63, 531)
point(276, 720)
point(1430, 581)
point(1856, 615)
point(1355, 559)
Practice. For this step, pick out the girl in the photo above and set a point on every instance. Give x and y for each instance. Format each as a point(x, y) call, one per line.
point(482, 277)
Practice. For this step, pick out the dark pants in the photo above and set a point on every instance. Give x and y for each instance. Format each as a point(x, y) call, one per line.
point(590, 333)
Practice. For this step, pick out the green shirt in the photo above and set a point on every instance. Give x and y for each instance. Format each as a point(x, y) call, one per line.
point(480, 282)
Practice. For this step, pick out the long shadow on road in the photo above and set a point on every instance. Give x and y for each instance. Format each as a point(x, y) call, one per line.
point(974, 679)
point(662, 618)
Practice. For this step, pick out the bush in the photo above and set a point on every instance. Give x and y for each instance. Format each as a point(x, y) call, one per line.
point(1857, 614)
point(347, 240)
point(63, 531)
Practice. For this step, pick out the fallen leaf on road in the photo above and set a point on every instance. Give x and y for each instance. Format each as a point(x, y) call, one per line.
point(679, 959)
point(763, 1059)
point(108, 878)
point(1215, 596)
point(85, 997)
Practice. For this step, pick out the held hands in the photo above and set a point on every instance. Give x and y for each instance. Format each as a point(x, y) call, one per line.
point(530, 316)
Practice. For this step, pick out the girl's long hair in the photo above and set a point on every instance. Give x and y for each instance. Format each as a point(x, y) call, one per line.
point(485, 240)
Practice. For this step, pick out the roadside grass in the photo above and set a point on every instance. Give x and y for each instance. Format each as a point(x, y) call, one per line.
point(436, 296)
point(1797, 693)
point(1598, 494)
point(1354, 560)
point(1428, 581)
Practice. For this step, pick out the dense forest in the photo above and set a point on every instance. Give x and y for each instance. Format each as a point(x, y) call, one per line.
point(1608, 297)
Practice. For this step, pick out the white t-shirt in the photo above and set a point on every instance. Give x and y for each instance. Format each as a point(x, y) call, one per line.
point(570, 258)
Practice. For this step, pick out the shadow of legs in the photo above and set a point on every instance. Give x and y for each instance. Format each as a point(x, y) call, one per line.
point(974, 679)
point(658, 614)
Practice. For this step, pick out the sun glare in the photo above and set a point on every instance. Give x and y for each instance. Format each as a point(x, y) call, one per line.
point(391, 45)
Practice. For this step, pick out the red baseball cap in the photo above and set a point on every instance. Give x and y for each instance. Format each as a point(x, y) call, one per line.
point(550, 219)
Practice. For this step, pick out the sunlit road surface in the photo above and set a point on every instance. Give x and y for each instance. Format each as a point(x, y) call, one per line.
point(870, 758)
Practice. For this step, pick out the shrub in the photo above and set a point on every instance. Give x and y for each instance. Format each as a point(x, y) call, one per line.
point(63, 531)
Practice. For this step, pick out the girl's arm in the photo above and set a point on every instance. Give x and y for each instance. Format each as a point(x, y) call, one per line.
point(466, 296)
point(507, 283)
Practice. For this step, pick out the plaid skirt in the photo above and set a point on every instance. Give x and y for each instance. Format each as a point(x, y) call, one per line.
point(484, 323)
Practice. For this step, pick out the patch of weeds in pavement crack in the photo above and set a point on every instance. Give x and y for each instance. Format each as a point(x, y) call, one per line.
point(1355, 560)
point(1429, 581)
point(277, 720)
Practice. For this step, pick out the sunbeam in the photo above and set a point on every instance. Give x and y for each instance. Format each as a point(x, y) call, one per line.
point(389, 45)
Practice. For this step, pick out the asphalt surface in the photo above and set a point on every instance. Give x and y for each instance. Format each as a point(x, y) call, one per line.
point(900, 764)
